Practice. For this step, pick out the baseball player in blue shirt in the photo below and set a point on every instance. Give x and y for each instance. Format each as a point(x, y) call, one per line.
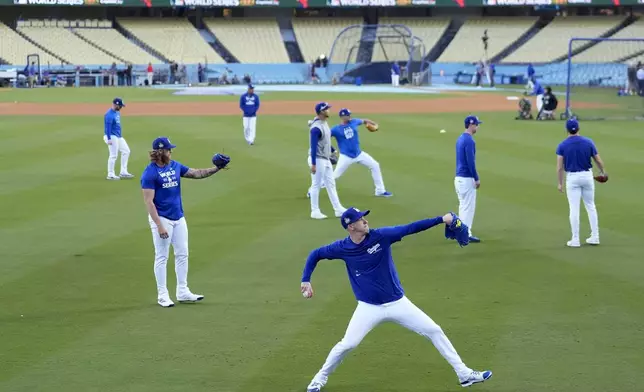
point(346, 134)
point(115, 142)
point(377, 288)
point(161, 184)
point(538, 91)
point(395, 74)
point(249, 104)
point(319, 161)
point(574, 156)
point(467, 180)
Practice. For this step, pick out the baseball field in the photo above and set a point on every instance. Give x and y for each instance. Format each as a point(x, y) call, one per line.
point(79, 309)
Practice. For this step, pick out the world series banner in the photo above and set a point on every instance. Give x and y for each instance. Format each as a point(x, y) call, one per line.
point(316, 3)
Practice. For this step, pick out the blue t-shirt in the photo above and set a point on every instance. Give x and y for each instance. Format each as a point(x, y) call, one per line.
point(347, 137)
point(369, 264)
point(166, 182)
point(577, 152)
point(112, 122)
point(466, 157)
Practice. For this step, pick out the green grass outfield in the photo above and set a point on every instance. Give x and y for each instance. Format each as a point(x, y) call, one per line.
point(79, 308)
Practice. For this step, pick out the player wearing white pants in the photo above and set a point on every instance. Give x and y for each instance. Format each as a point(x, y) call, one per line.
point(466, 181)
point(377, 288)
point(249, 105)
point(395, 74)
point(320, 164)
point(574, 155)
point(115, 142)
point(161, 185)
point(346, 134)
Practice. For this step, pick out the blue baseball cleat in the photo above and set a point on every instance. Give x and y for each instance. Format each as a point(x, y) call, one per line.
point(476, 377)
point(384, 194)
point(475, 239)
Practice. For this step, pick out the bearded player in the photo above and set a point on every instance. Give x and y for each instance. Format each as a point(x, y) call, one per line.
point(161, 184)
point(346, 134)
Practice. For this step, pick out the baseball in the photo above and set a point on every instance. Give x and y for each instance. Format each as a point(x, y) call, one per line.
point(443, 131)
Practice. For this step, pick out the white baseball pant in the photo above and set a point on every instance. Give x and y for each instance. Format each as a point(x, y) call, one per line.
point(581, 185)
point(395, 80)
point(363, 159)
point(249, 129)
point(118, 144)
point(539, 102)
point(324, 175)
point(466, 192)
point(178, 238)
point(403, 312)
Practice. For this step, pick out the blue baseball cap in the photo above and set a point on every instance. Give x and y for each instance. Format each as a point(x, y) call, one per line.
point(469, 120)
point(321, 107)
point(250, 86)
point(118, 101)
point(162, 143)
point(344, 112)
point(352, 215)
point(572, 125)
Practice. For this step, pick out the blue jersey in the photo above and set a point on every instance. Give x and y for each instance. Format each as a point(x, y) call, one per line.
point(369, 264)
point(249, 104)
point(537, 89)
point(347, 137)
point(466, 157)
point(166, 182)
point(112, 123)
point(395, 69)
point(577, 152)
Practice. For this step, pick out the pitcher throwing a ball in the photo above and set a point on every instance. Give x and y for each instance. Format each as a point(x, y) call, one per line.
point(161, 184)
point(375, 284)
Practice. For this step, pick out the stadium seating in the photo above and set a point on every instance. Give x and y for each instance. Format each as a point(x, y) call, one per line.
point(552, 41)
point(502, 31)
point(250, 40)
point(315, 36)
point(114, 42)
point(15, 49)
point(174, 38)
point(428, 30)
point(613, 51)
point(62, 42)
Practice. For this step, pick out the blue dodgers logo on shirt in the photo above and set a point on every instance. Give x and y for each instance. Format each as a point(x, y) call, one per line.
point(250, 101)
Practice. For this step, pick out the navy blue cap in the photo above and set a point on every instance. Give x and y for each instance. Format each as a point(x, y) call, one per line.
point(118, 101)
point(572, 125)
point(469, 120)
point(250, 86)
point(352, 215)
point(344, 112)
point(162, 143)
point(321, 107)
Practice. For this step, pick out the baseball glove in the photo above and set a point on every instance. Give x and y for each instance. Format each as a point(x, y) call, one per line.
point(372, 127)
point(457, 230)
point(601, 177)
point(220, 160)
point(334, 158)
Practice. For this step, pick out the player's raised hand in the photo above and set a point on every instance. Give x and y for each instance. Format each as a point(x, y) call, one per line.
point(306, 289)
point(163, 233)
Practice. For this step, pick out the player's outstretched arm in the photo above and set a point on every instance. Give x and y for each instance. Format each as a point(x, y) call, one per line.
point(198, 174)
point(397, 233)
point(600, 163)
point(328, 252)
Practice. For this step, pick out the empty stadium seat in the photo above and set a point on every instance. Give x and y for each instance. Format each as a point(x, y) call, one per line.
point(251, 40)
point(174, 38)
point(15, 49)
point(315, 36)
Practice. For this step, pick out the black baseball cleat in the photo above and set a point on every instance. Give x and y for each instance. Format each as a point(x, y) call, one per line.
point(475, 239)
